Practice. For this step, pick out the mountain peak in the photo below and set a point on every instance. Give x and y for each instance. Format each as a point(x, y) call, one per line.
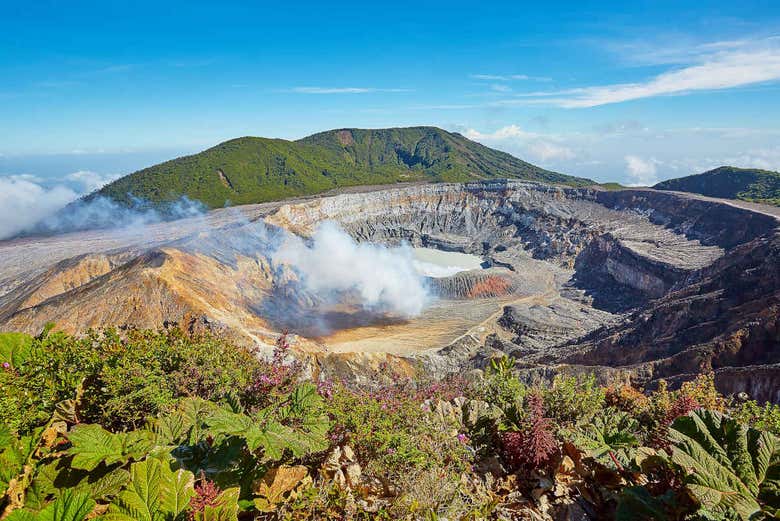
point(730, 182)
point(255, 169)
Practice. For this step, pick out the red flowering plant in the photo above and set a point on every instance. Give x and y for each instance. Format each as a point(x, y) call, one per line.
point(206, 495)
point(275, 378)
point(390, 430)
point(680, 406)
point(528, 443)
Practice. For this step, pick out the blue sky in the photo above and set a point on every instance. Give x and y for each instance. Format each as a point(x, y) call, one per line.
point(626, 91)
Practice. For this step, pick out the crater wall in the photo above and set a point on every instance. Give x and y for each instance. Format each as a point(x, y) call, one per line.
point(639, 283)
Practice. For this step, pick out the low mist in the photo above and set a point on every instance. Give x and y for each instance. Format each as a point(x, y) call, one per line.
point(30, 205)
point(103, 212)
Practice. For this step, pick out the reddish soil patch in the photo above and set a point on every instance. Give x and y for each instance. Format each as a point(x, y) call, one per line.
point(493, 286)
point(345, 138)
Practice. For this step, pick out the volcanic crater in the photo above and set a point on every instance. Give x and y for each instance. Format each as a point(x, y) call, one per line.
point(629, 284)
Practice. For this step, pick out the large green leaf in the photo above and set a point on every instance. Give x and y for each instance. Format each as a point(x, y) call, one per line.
point(52, 477)
point(611, 433)
point(269, 428)
point(14, 348)
point(725, 462)
point(21, 515)
point(6, 437)
point(15, 455)
point(176, 489)
point(637, 504)
point(276, 438)
point(140, 501)
point(184, 425)
point(305, 412)
point(224, 423)
point(93, 445)
point(155, 493)
point(70, 506)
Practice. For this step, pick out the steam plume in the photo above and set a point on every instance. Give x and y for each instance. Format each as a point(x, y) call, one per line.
point(333, 264)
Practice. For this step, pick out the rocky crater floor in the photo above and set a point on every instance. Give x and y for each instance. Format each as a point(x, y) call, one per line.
point(630, 284)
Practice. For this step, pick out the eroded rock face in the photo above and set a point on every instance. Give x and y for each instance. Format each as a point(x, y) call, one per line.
point(630, 284)
point(724, 315)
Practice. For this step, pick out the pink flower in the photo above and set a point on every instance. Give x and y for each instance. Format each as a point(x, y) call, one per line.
point(6, 365)
point(462, 438)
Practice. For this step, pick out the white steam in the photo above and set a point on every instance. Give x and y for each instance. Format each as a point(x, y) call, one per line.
point(103, 212)
point(333, 263)
point(31, 205)
point(25, 201)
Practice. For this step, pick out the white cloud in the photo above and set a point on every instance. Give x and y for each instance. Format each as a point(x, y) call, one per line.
point(510, 131)
point(507, 77)
point(90, 181)
point(531, 146)
point(26, 200)
point(498, 87)
point(342, 90)
point(715, 67)
point(488, 77)
point(641, 172)
point(765, 158)
point(549, 151)
point(662, 153)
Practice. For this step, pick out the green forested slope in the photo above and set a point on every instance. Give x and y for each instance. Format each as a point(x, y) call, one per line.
point(252, 169)
point(747, 184)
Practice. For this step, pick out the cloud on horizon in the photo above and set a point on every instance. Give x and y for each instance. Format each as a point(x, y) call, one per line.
point(26, 199)
point(633, 153)
point(544, 148)
point(641, 172)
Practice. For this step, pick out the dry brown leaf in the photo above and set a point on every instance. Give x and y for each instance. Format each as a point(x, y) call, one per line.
point(278, 484)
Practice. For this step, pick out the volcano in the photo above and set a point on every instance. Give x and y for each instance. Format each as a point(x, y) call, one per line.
point(627, 284)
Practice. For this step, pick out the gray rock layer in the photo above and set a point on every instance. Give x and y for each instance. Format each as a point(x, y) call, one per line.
point(634, 284)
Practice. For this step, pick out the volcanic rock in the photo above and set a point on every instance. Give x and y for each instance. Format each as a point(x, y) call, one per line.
point(629, 284)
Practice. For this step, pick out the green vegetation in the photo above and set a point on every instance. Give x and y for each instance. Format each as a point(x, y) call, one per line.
point(253, 170)
point(746, 184)
point(161, 426)
point(612, 186)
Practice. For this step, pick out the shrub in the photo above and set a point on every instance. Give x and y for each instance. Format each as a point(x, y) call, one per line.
point(152, 412)
point(269, 381)
point(702, 390)
point(666, 406)
point(570, 399)
point(391, 432)
point(626, 398)
point(123, 380)
point(764, 418)
point(500, 386)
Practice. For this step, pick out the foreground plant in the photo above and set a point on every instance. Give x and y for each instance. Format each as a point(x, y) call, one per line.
point(731, 469)
point(260, 441)
point(611, 438)
point(531, 444)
